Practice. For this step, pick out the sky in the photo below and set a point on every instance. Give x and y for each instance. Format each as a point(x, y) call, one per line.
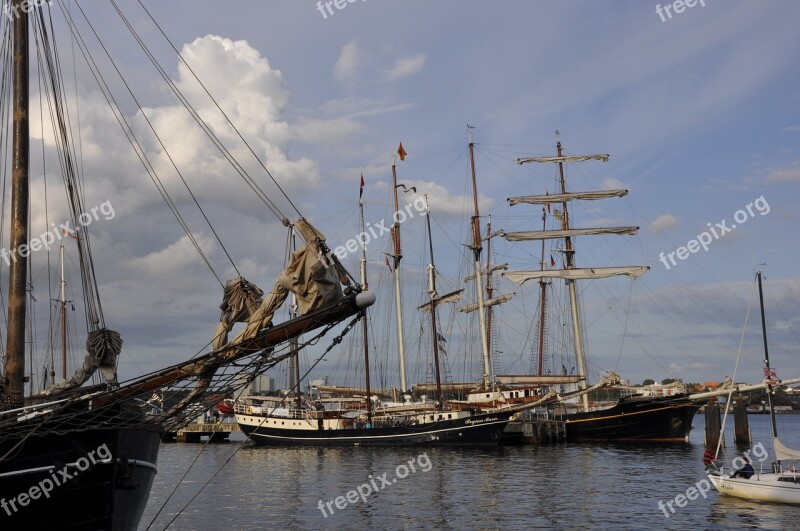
point(699, 112)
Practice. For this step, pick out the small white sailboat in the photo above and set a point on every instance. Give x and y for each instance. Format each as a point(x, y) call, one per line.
point(780, 483)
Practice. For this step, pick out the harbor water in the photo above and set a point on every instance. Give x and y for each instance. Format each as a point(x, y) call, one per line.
point(564, 486)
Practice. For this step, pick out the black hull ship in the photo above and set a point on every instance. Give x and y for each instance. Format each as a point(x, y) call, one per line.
point(636, 419)
point(423, 429)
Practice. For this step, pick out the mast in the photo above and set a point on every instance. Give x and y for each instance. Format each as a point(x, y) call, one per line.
point(432, 293)
point(573, 295)
point(542, 300)
point(767, 369)
point(476, 250)
point(294, 344)
point(15, 341)
point(365, 287)
point(398, 255)
point(63, 316)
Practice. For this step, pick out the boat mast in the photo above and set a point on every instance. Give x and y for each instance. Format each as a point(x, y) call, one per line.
point(767, 369)
point(15, 341)
point(542, 299)
point(573, 295)
point(432, 293)
point(365, 287)
point(294, 345)
point(398, 255)
point(63, 315)
point(476, 250)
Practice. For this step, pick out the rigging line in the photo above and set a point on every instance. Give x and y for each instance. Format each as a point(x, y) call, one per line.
point(625, 329)
point(161, 143)
point(334, 342)
point(262, 164)
point(135, 144)
point(203, 125)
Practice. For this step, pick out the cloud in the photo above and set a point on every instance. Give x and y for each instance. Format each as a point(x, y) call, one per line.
point(788, 174)
point(663, 222)
point(791, 129)
point(349, 59)
point(406, 66)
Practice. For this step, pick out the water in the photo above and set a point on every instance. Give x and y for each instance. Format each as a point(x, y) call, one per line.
point(562, 486)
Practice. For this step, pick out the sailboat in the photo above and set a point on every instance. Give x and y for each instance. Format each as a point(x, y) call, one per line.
point(632, 418)
point(359, 421)
point(77, 456)
point(779, 484)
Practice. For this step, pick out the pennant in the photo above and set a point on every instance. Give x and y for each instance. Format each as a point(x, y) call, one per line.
point(552, 262)
point(68, 233)
point(401, 152)
point(387, 263)
point(440, 337)
point(548, 204)
point(361, 190)
point(769, 374)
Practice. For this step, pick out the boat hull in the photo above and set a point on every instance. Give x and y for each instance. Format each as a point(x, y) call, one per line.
point(95, 479)
point(478, 430)
point(760, 487)
point(636, 419)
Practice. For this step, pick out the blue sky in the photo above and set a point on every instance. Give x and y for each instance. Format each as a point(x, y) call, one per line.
point(700, 114)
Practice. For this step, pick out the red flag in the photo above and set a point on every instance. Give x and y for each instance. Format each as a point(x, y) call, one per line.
point(361, 190)
point(68, 233)
point(387, 263)
point(401, 152)
point(552, 262)
point(548, 204)
point(769, 373)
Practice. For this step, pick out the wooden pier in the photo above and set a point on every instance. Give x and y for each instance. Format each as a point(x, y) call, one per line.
point(530, 430)
point(196, 431)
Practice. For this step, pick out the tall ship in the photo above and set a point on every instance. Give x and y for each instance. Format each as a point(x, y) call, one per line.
point(361, 418)
point(81, 452)
point(635, 417)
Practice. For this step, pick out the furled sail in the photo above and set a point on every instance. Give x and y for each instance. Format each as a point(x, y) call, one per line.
point(488, 271)
point(563, 198)
point(102, 349)
point(565, 159)
point(784, 452)
point(453, 296)
point(588, 273)
point(488, 304)
point(554, 234)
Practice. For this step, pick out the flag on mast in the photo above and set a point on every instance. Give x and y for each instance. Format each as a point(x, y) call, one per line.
point(361, 190)
point(401, 152)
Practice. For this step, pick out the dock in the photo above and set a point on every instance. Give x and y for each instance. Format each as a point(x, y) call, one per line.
point(195, 432)
point(531, 430)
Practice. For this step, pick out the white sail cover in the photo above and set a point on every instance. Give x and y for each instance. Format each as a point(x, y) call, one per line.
point(565, 159)
point(563, 198)
point(453, 296)
point(783, 452)
point(491, 302)
point(553, 234)
point(588, 273)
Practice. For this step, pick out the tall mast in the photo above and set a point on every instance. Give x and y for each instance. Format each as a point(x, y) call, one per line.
point(294, 344)
point(573, 295)
point(542, 300)
point(432, 293)
point(15, 341)
point(489, 287)
point(767, 370)
point(63, 316)
point(365, 287)
point(476, 250)
point(398, 255)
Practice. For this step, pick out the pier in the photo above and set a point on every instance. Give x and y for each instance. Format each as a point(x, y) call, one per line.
point(531, 430)
point(195, 432)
